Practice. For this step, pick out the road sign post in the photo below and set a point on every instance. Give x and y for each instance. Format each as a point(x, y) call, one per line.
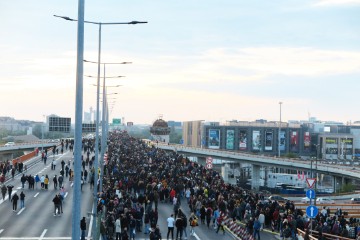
point(209, 163)
point(312, 211)
point(310, 182)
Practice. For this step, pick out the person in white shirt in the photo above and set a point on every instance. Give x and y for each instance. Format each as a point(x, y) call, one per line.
point(170, 224)
point(42, 180)
point(187, 195)
point(324, 212)
point(118, 228)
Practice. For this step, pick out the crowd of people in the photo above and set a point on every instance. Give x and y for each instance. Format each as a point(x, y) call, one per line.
point(137, 177)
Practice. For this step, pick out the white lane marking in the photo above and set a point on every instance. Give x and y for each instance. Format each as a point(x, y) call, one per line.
point(43, 233)
point(91, 223)
point(21, 211)
point(196, 236)
point(36, 194)
point(65, 194)
point(72, 184)
point(7, 196)
point(1, 230)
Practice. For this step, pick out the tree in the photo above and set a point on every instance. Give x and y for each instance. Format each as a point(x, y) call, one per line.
point(175, 135)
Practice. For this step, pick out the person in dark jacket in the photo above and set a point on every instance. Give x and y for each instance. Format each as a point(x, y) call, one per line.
point(179, 227)
point(57, 203)
point(9, 188)
point(3, 191)
point(83, 228)
point(14, 200)
point(22, 199)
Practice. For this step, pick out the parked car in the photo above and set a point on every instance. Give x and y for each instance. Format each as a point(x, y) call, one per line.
point(9, 144)
point(355, 200)
point(277, 198)
point(323, 200)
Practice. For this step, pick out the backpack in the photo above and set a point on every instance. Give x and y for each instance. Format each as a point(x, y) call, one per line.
point(194, 222)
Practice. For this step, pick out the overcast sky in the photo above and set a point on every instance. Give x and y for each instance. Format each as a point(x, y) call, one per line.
point(194, 60)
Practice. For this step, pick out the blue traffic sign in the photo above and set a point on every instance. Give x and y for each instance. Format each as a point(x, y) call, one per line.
point(312, 211)
point(181, 141)
point(310, 193)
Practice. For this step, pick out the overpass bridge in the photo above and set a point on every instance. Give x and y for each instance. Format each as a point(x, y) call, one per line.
point(6, 152)
point(341, 173)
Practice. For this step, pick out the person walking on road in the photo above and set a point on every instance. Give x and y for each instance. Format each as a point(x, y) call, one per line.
point(55, 180)
point(60, 180)
point(220, 224)
point(118, 229)
point(9, 188)
point(37, 179)
point(103, 230)
point(193, 223)
point(170, 224)
point(83, 228)
point(22, 199)
point(257, 227)
point(14, 200)
point(57, 202)
point(179, 227)
point(42, 179)
point(3, 191)
point(23, 180)
point(46, 182)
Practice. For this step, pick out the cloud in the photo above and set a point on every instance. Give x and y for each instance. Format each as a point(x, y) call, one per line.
point(323, 3)
point(284, 60)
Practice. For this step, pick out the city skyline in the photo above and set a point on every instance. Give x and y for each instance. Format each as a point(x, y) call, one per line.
point(193, 60)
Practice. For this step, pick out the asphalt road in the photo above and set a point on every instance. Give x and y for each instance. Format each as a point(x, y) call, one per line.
point(36, 220)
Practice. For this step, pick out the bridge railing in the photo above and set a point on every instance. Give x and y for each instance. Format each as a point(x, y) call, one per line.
point(46, 141)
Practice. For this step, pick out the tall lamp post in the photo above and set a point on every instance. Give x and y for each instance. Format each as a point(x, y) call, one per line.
point(78, 115)
point(280, 103)
point(96, 164)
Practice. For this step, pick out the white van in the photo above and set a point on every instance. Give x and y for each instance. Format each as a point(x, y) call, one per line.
point(9, 144)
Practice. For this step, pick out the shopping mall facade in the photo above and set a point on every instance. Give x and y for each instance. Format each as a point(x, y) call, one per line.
point(325, 140)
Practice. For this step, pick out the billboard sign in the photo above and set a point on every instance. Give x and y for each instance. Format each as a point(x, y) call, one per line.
point(243, 140)
point(256, 140)
point(116, 121)
point(307, 141)
point(59, 124)
point(294, 141)
point(269, 140)
point(214, 138)
point(230, 139)
point(282, 141)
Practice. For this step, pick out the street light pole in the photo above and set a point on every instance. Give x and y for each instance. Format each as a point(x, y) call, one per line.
point(79, 107)
point(279, 130)
point(78, 123)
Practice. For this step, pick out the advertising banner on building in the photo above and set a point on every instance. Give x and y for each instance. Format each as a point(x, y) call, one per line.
point(230, 139)
point(307, 141)
point(242, 140)
point(282, 141)
point(214, 138)
point(256, 140)
point(294, 141)
point(268, 140)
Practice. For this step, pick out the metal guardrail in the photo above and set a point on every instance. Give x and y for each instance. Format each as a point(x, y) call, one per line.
point(31, 143)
